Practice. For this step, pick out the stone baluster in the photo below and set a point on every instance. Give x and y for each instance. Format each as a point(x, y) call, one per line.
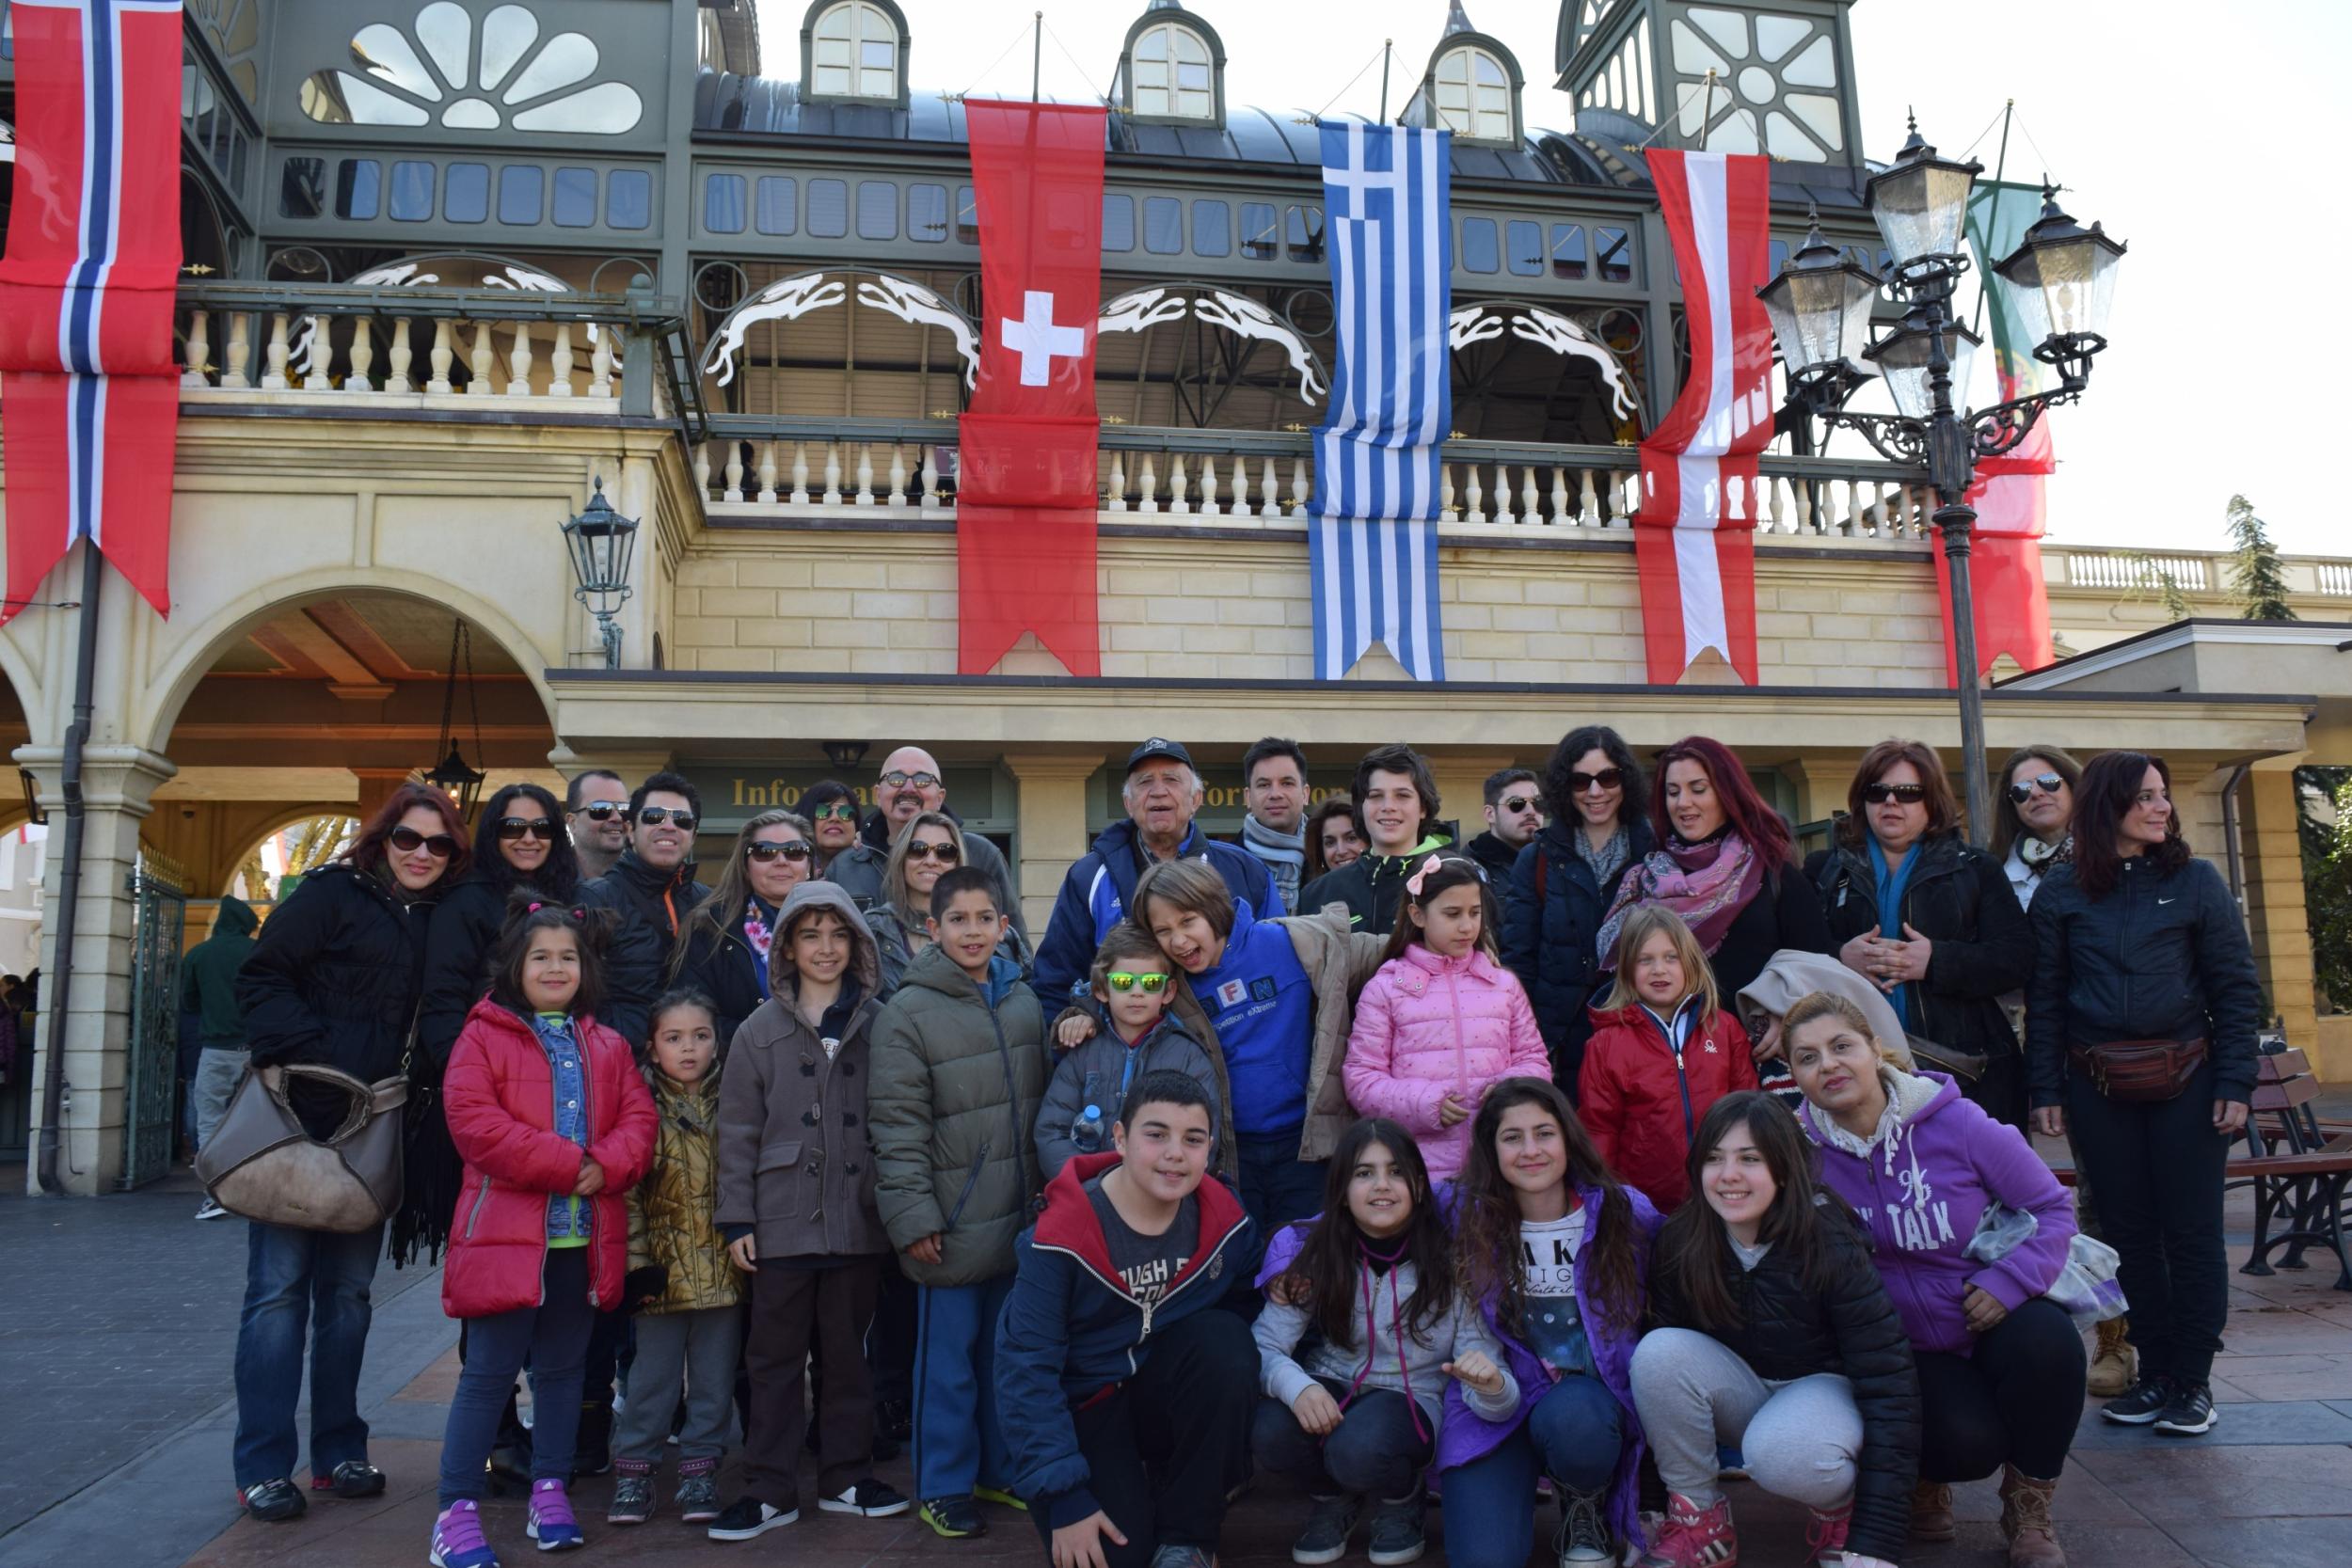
point(519, 385)
point(239, 374)
point(1587, 502)
point(1531, 503)
point(200, 353)
point(318, 358)
point(1502, 496)
point(441, 356)
point(1445, 490)
point(1269, 503)
point(481, 362)
point(363, 355)
point(766, 473)
point(1208, 485)
point(800, 473)
point(864, 474)
point(734, 491)
point(1774, 512)
point(931, 474)
point(1148, 483)
point(1177, 486)
point(274, 378)
point(1857, 520)
point(833, 474)
point(897, 474)
point(560, 362)
point(1559, 513)
point(404, 359)
point(1116, 498)
point(702, 470)
point(1300, 492)
point(601, 362)
point(1473, 496)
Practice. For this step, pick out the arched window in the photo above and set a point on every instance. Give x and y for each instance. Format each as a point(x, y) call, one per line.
point(1475, 95)
point(1173, 77)
point(856, 54)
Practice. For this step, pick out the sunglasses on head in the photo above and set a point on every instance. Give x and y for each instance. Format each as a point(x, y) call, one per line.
point(1608, 778)
point(840, 811)
point(898, 779)
point(1122, 982)
point(1909, 794)
point(763, 852)
point(678, 816)
point(2049, 783)
point(513, 827)
point(944, 853)
point(1518, 802)
point(408, 841)
point(603, 810)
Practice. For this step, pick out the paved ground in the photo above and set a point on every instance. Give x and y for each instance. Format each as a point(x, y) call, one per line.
point(118, 1320)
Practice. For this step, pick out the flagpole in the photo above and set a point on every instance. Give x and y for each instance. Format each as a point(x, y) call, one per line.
point(60, 980)
point(1993, 227)
point(1036, 56)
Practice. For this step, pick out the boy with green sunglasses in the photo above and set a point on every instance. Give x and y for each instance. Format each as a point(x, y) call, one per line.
point(1127, 1033)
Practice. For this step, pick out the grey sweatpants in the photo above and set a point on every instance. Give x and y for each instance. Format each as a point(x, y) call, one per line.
point(216, 1075)
point(1797, 1438)
point(698, 1350)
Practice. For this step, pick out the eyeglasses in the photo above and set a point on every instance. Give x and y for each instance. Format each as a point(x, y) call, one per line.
point(1518, 802)
point(839, 810)
point(513, 827)
point(602, 811)
point(1122, 982)
point(945, 854)
point(1608, 778)
point(678, 816)
point(2050, 783)
point(898, 780)
point(764, 850)
point(1909, 794)
point(408, 841)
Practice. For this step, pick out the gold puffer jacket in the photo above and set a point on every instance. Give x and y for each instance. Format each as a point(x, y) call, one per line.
point(670, 1212)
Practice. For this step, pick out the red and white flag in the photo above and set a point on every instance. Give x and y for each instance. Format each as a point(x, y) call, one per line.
point(91, 403)
point(1693, 533)
point(1025, 495)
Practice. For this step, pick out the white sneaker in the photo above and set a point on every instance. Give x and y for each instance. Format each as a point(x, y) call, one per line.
point(209, 1209)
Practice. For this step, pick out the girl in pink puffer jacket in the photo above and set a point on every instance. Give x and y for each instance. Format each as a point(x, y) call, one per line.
point(1442, 1021)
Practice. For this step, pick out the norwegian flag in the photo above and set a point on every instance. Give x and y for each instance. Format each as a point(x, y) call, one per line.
point(1693, 533)
point(91, 401)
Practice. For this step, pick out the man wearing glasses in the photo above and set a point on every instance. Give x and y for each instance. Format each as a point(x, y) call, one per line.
point(596, 809)
point(1514, 815)
point(651, 890)
point(909, 783)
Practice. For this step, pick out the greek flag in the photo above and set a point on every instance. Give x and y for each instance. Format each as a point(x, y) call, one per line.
point(1373, 525)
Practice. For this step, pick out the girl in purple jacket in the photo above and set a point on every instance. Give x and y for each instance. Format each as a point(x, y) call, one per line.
point(1999, 1363)
point(1554, 1250)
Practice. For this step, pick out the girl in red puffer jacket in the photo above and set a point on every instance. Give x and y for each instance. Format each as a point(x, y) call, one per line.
point(547, 1108)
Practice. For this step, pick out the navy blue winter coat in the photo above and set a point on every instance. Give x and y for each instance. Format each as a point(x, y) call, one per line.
point(1551, 916)
point(1099, 892)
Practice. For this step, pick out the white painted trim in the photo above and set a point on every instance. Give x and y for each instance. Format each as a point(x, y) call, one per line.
point(2292, 634)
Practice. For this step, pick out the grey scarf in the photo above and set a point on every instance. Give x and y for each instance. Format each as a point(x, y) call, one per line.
point(1283, 855)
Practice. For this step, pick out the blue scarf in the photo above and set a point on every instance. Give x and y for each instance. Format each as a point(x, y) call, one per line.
point(1891, 885)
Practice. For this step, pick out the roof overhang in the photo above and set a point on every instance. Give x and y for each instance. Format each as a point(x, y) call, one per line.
point(2197, 658)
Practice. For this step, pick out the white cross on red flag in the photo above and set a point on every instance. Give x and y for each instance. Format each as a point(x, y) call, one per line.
point(1026, 491)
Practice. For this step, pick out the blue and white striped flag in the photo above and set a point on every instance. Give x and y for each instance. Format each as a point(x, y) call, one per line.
point(1373, 525)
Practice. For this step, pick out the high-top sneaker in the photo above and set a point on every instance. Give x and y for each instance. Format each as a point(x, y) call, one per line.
point(698, 1490)
point(458, 1540)
point(552, 1523)
point(632, 1493)
point(1825, 1535)
point(1694, 1537)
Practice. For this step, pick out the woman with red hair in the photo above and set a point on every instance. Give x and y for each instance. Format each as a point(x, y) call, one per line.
point(1723, 864)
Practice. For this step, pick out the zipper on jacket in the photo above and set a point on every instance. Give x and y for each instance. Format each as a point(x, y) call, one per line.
point(482, 1195)
point(971, 1184)
point(1682, 1080)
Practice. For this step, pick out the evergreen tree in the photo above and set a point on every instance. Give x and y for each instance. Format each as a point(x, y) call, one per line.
point(2256, 573)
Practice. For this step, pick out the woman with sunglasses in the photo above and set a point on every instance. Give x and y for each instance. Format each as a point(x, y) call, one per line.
point(334, 980)
point(831, 807)
point(724, 953)
point(927, 848)
point(2033, 816)
point(1929, 919)
point(1560, 888)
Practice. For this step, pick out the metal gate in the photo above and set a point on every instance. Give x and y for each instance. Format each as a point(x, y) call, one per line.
point(160, 900)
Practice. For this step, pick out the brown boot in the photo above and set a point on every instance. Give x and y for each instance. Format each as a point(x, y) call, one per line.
point(2114, 1365)
point(1931, 1513)
point(2026, 1521)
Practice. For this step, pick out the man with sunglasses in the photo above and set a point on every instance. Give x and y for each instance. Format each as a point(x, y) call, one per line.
point(596, 809)
point(1514, 815)
point(651, 891)
point(909, 783)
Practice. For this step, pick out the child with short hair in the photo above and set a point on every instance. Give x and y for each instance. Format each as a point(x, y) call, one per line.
point(797, 1208)
point(1443, 1020)
point(1662, 1050)
point(1126, 1389)
point(1127, 1033)
point(554, 1125)
point(683, 1289)
point(959, 1068)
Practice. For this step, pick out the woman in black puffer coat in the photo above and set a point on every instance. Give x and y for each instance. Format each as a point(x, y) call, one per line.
point(1772, 1331)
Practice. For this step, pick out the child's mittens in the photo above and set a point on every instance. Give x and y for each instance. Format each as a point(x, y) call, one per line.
point(645, 1285)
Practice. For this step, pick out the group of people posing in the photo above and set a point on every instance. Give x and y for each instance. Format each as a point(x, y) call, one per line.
point(1557, 1174)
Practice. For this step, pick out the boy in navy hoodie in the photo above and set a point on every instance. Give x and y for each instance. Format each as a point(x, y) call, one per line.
point(1126, 1394)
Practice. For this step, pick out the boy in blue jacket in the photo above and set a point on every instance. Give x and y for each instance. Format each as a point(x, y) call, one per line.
point(1125, 1393)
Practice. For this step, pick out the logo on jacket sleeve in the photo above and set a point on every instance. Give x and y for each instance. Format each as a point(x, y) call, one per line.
point(1232, 993)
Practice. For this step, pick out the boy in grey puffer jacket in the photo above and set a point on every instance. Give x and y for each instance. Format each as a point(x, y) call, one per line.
point(1126, 1034)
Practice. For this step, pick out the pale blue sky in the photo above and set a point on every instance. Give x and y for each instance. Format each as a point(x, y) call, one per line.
point(2188, 129)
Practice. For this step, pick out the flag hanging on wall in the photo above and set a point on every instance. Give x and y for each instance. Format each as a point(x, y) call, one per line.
point(1695, 531)
point(1373, 522)
point(2006, 585)
point(92, 400)
point(1025, 497)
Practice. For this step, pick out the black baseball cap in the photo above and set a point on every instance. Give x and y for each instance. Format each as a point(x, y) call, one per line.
point(1154, 750)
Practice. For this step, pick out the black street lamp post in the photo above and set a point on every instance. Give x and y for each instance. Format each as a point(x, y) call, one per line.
point(600, 541)
point(2059, 282)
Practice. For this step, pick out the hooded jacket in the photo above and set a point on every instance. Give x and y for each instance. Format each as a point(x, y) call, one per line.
point(1791, 975)
point(1099, 890)
point(1551, 913)
point(1072, 1329)
point(895, 942)
point(500, 1100)
point(671, 1212)
point(1428, 1026)
point(208, 975)
point(1101, 1072)
point(1921, 1181)
point(1643, 1099)
point(958, 1073)
point(795, 1159)
point(859, 869)
point(1372, 886)
point(651, 907)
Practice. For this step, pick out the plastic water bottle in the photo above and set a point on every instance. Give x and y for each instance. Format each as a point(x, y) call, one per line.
point(1087, 1132)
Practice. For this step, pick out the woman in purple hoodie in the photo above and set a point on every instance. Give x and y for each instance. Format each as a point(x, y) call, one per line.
point(1999, 1364)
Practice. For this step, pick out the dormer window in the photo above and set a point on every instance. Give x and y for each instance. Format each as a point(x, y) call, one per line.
point(856, 53)
point(1473, 97)
point(1173, 68)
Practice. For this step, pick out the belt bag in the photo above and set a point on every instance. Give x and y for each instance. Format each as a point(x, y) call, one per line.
point(263, 1165)
point(2140, 1072)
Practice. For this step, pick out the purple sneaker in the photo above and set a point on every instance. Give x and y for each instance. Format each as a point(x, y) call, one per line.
point(552, 1524)
point(458, 1540)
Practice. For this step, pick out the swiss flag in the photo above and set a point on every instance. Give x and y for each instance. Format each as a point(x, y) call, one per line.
point(1026, 487)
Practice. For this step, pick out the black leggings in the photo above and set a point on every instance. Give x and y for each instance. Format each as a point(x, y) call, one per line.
point(2017, 1399)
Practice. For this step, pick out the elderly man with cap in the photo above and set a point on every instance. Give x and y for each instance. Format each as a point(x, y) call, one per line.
point(910, 784)
point(1162, 793)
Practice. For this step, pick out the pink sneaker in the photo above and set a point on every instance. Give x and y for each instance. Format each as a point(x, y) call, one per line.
point(1694, 1537)
point(1825, 1535)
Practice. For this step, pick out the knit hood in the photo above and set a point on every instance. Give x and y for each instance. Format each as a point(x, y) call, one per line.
point(866, 961)
point(1911, 1099)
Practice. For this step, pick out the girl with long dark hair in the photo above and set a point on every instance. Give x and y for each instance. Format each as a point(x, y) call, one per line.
point(1550, 1250)
point(1357, 1415)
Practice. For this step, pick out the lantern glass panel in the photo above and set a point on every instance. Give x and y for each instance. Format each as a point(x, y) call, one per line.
point(1919, 209)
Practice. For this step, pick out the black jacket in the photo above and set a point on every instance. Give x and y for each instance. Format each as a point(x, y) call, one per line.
point(1959, 899)
point(1851, 1329)
point(457, 968)
point(1551, 914)
point(652, 907)
point(2163, 956)
point(1496, 856)
point(1372, 886)
point(719, 965)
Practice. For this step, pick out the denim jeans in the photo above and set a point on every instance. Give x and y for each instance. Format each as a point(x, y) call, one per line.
point(1378, 1449)
point(958, 1441)
point(301, 1284)
point(553, 1339)
point(1276, 1187)
point(1575, 1435)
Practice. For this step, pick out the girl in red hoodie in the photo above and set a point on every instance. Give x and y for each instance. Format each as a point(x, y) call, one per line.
point(554, 1124)
point(1661, 1053)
